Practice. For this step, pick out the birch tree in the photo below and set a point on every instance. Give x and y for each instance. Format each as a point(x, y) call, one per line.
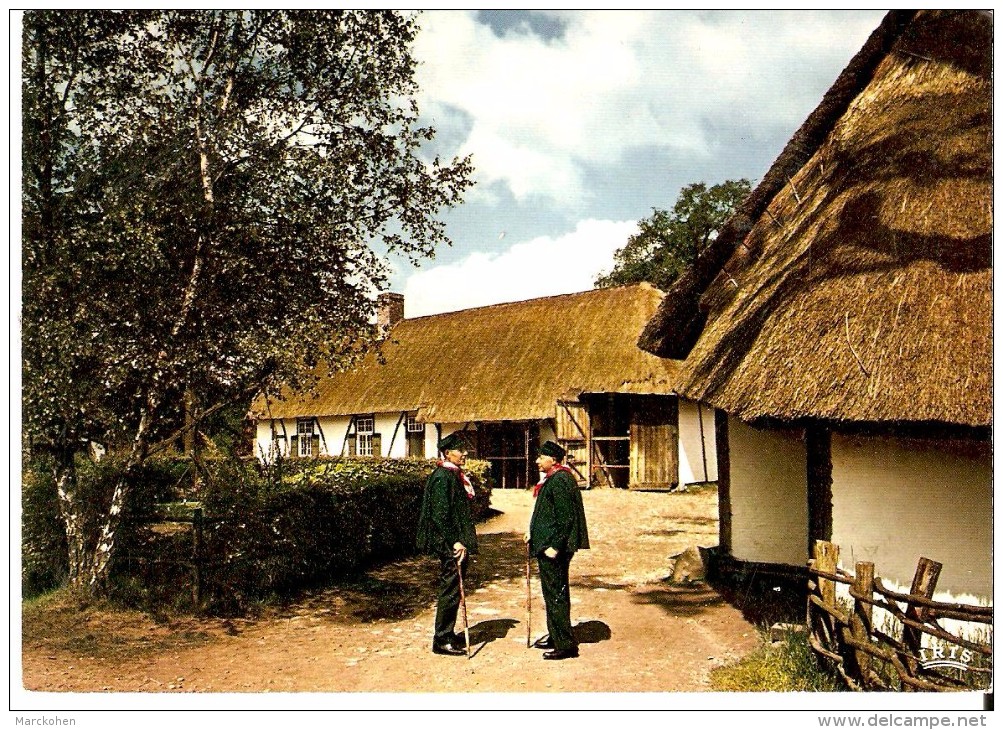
point(207, 197)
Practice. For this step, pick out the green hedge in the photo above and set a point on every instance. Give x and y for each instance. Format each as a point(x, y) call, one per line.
point(44, 563)
point(43, 537)
point(306, 521)
point(267, 531)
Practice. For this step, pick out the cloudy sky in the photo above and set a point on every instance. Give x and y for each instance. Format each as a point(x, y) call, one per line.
point(581, 122)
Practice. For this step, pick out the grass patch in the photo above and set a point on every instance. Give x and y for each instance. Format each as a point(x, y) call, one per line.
point(788, 665)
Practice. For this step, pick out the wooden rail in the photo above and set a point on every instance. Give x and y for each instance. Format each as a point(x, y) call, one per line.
point(916, 653)
point(197, 560)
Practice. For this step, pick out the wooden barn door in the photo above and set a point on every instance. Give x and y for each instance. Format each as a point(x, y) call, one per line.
point(573, 434)
point(654, 443)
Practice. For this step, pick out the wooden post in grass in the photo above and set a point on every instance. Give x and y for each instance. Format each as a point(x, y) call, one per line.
point(826, 558)
point(923, 585)
point(860, 619)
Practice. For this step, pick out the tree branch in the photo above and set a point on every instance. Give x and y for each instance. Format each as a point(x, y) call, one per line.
point(249, 392)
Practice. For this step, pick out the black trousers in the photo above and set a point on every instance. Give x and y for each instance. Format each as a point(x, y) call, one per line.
point(449, 600)
point(557, 598)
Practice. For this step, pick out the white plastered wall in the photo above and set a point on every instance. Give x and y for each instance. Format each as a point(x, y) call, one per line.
point(896, 500)
point(769, 494)
point(697, 452)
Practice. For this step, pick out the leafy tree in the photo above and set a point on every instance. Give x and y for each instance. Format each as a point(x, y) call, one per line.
point(668, 242)
point(203, 196)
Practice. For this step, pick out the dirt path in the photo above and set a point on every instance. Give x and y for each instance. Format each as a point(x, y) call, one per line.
point(637, 632)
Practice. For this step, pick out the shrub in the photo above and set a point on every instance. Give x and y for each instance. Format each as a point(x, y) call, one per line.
point(306, 521)
point(44, 562)
point(268, 531)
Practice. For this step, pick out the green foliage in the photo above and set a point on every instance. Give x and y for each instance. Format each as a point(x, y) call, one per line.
point(206, 196)
point(788, 665)
point(669, 241)
point(43, 539)
point(270, 532)
point(44, 563)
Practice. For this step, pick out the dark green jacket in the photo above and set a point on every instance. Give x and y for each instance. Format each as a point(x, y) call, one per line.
point(558, 517)
point(445, 515)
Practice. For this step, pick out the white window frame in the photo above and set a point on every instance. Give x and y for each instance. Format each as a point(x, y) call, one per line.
point(365, 427)
point(412, 424)
point(304, 437)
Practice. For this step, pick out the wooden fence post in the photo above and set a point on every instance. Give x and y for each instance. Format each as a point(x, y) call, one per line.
point(826, 558)
point(860, 619)
point(923, 584)
point(197, 557)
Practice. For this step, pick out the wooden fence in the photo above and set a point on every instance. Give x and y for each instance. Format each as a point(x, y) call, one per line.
point(890, 653)
point(196, 562)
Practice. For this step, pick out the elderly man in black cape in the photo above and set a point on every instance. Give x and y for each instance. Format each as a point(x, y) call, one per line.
point(446, 531)
point(556, 530)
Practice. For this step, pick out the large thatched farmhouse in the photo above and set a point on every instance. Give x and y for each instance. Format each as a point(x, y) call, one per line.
point(509, 377)
point(841, 324)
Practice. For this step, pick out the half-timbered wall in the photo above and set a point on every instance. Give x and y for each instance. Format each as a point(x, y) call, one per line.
point(331, 434)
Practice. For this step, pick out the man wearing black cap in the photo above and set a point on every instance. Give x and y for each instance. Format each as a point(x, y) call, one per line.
point(446, 531)
point(556, 530)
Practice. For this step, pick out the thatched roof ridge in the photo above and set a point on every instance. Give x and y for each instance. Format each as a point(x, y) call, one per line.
point(863, 290)
point(679, 321)
point(509, 361)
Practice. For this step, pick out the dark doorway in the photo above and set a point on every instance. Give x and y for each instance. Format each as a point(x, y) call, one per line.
point(506, 446)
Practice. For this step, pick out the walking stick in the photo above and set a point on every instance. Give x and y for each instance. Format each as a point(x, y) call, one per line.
point(463, 605)
point(529, 601)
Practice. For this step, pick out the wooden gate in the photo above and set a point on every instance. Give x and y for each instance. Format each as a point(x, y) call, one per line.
point(573, 434)
point(654, 443)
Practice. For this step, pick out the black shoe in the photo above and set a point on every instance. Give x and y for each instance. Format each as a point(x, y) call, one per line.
point(448, 650)
point(570, 653)
point(544, 642)
point(459, 640)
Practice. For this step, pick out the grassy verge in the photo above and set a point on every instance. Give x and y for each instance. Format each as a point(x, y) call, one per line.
point(788, 665)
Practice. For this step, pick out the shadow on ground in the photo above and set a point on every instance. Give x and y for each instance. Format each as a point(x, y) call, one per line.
point(763, 599)
point(679, 600)
point(407, 586)
point(592, 632)
point(488, 631)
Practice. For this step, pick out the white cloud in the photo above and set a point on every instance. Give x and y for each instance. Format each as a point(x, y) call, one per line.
point(622, 80)
point(540, 267)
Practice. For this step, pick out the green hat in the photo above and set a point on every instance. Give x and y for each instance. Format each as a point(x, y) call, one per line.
point(549, 448)
point(450, 442)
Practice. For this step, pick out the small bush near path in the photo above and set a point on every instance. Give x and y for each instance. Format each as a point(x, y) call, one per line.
point(788, 665)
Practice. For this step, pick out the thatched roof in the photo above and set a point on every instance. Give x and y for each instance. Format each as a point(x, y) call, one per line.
point(503, 362)
point(856, 281)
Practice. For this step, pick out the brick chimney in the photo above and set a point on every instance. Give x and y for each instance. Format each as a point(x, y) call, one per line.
point(389, 310)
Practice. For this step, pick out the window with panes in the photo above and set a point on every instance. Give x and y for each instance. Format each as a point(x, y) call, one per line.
point(365, 426)
point(304, 434)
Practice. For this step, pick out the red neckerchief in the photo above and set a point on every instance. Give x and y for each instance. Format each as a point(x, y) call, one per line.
point(553, 470)
point(464, 479)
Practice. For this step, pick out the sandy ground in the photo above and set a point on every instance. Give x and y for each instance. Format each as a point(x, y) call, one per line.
point(638, 633)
